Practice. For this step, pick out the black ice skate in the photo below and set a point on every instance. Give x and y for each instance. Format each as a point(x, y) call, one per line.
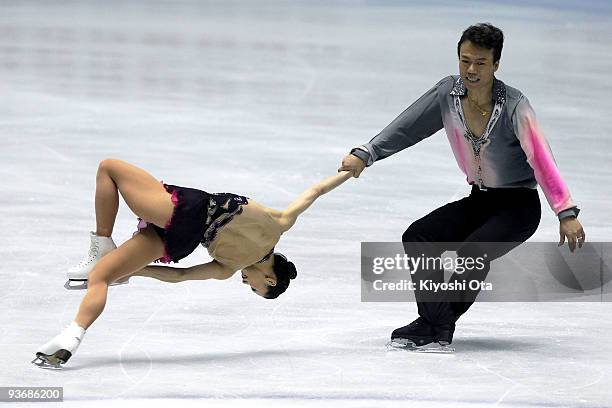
point(420, 336)
point(443, 334)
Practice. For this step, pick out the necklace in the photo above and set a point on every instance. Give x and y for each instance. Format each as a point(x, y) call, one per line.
point(482, 111)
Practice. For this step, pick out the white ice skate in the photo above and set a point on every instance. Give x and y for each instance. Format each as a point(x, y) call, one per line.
point(59, 349)
point(99, 246)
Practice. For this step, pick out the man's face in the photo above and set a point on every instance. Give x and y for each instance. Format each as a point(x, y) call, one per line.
point(476, 63)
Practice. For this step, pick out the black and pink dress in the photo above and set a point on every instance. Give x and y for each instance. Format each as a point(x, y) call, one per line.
point(196, 219)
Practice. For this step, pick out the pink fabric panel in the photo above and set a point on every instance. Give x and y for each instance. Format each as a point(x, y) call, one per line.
point(540, 158)
point(142, 224)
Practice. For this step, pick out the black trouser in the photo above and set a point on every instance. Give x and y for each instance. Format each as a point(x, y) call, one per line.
point(509, 215)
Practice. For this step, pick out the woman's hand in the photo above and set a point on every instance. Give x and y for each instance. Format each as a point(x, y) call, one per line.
point(571, 228)
point(353, 164)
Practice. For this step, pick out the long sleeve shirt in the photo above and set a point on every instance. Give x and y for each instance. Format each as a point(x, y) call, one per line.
point(512, 152)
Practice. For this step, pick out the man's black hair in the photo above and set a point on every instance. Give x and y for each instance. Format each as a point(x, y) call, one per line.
point(484, 35)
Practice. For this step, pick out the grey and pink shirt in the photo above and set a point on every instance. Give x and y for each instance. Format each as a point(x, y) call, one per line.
point(512, 152)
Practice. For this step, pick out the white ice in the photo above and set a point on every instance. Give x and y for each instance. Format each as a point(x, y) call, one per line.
point(264, 99)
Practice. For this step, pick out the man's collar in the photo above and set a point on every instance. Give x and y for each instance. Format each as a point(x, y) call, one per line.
point(499, 90)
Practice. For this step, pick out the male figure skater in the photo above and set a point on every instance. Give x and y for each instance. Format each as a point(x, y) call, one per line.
point(498, 145)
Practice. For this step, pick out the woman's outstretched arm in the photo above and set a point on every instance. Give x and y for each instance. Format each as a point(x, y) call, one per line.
point(210, 270)
point(299, 205)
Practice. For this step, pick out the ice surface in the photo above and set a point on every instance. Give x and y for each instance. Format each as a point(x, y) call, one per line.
point(263, 99)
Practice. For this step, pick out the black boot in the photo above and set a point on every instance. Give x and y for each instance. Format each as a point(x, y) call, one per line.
point(443, 334)
point(419, 333)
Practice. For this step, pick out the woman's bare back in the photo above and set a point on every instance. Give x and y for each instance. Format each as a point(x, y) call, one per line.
point(252, 234)
point(248, 238)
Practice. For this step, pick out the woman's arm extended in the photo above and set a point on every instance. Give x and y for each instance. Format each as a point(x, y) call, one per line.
point(300, 204)
point(210, 270)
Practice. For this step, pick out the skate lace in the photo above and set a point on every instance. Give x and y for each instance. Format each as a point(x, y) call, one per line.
point(94, 251)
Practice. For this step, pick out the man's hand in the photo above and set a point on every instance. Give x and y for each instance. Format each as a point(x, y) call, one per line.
point(571, 228)
point(353, 164)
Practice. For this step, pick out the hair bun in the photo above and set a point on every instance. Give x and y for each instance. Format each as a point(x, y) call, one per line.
point(292, 270)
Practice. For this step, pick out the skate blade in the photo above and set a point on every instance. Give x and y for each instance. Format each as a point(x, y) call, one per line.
point(436, 348)
point(47, 362)
point(82, 284)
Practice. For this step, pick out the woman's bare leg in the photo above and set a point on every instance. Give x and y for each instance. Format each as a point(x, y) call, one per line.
point(144, 194)
point(106, 203)
point(131, 256)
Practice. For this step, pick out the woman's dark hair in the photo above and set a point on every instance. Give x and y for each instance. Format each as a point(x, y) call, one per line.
point(484, 35)
point(285, 271)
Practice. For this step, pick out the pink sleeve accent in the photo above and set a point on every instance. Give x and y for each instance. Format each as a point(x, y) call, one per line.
point(459, 152)
point(541, 159)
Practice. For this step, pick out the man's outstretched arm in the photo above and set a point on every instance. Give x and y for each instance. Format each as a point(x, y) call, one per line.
point(420, 120)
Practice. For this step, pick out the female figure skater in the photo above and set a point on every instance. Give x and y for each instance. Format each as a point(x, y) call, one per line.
point(240, 234)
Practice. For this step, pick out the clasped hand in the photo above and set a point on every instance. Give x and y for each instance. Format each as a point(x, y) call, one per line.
point(353, 164)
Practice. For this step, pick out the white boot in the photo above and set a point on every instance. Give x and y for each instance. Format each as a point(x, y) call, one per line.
point(60, 348)
point(99, 246)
